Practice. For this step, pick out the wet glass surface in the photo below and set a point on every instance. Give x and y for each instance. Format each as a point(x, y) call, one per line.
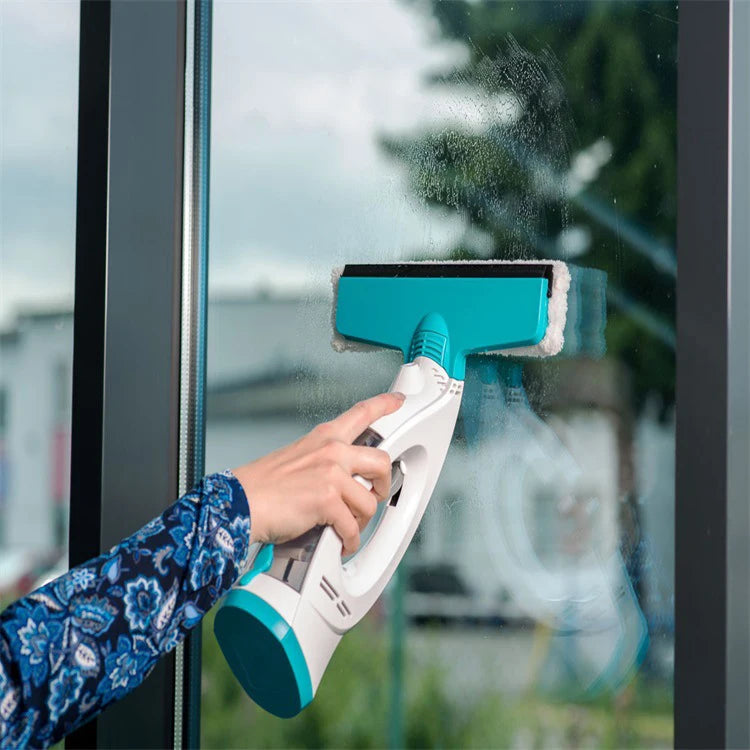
point(535, 605)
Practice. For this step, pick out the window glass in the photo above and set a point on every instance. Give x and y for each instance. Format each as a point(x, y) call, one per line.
point(535, 606)
point(38, 136)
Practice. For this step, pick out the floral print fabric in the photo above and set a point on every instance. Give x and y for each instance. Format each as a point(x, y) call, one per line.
point(84, 640)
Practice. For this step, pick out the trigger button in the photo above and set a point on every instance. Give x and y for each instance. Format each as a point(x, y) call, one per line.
point(397, 481)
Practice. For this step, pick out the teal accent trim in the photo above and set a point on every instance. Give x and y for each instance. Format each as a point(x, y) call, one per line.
point(475, 314)
point(431, 340)
point(261, 564)
point(263, 653)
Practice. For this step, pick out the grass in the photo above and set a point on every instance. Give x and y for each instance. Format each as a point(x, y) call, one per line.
point(351, 709)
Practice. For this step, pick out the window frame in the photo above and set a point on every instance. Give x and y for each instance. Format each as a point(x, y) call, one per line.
point(711, 554)
point(738, 384)
point(139, 343)
point(164, 172)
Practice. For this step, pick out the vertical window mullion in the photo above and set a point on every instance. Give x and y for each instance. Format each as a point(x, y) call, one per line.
point(193, 324)
point(126, 407)
point(702, 298)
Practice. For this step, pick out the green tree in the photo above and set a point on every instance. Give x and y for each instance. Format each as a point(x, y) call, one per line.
point(576, 129)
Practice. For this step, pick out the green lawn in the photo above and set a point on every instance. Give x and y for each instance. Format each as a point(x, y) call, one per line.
point(351, 710)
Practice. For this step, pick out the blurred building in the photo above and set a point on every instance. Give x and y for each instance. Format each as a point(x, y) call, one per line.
point(35, 402)
point(272, 375)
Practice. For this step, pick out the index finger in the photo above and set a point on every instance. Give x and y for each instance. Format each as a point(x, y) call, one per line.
point(351, 424)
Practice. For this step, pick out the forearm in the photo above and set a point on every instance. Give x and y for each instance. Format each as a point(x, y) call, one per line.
point(86, 639)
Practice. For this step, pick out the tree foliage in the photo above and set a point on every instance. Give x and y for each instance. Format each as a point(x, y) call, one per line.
point(569, 151)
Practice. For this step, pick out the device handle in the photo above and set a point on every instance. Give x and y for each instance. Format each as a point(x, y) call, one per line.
point(416, 437)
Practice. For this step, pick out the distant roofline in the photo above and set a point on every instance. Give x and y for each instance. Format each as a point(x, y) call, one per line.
point(260, 296)
point(62, 311)
point(34, 314)
point(47, 314)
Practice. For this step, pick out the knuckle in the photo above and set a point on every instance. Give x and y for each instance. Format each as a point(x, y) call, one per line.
point(330, 493)
point(332, 471)
point(362, 408)
point(332, 448)
point(323, 430)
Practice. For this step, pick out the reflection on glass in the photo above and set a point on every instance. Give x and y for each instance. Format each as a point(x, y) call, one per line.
point(535, 606)
point(38, 123)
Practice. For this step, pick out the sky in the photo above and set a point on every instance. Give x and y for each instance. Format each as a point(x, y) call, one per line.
point(301, 92)
point(38, 111)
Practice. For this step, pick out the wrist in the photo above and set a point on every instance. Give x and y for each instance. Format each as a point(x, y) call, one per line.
point(243, 476)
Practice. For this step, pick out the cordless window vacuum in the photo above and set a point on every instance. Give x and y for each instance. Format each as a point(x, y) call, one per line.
point(280, 624)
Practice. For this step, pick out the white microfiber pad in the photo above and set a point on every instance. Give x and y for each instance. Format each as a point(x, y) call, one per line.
point(339, 342)
point(557, 309)
point(557, 312)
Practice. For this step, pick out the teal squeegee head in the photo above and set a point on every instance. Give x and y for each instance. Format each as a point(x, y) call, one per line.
point(280, 625)
point(447, 311)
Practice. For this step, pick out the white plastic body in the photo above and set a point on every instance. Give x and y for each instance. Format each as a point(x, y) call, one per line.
point(336, 595)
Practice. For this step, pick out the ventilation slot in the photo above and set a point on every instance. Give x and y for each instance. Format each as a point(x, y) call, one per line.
point(328, 584)
point(330, 595)
point(333, 595)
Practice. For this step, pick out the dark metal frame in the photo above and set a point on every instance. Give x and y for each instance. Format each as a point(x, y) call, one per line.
point(90, 278)
point(128, 301)
point(90, 297)
point(710, 708)
point(127, 347)
point(738, 388)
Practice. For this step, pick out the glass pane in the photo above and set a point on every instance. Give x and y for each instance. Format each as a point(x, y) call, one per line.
point(535, 605)
point(38, 136)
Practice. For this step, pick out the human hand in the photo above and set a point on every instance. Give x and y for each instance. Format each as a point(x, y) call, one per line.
point(311, 482)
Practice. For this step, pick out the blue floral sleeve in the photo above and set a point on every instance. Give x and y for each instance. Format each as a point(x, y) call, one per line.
point(84, 640)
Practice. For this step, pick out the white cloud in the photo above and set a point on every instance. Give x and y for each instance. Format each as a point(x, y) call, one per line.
point(301, 91)
point(39, 81)
point(50, 21)
point(38, 129)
